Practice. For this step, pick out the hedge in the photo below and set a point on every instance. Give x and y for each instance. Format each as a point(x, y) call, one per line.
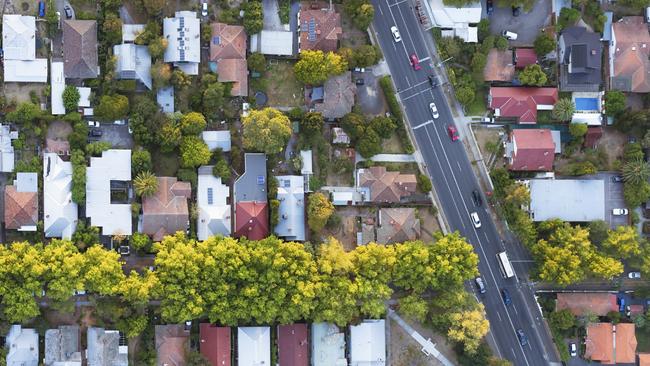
point(396, 111)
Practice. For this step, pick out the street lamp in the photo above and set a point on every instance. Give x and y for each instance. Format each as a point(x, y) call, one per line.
point(440, 63)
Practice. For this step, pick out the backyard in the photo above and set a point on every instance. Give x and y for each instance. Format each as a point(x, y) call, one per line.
point(280, 84)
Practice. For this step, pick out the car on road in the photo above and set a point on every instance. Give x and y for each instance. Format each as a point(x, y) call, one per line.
point(509, 35)
point(204, 9)
point(573, 349)
point(433, 80)
point(516, 11)
point(617, 179)
point(120, 122)
point(434, 110)
point(93, 124)
point(415, 62)
point(634, 275)
point(505, 295)
point(453, 134)
point(476, 197)
point(480, 285)
point(620, 211)
point(523, 340)
point(396, 35)
point(475, 220)
point(489, 6)
point(68, 11)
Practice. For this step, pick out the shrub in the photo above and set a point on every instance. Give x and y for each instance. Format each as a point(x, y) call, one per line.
point(424, 183)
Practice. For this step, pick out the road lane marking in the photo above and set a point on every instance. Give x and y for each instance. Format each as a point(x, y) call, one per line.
point(414, 86)
point(423, 124)
point(413, 95)
point(459, 168)
point(499, 316)
point(513, 352)
point(397, 3)
point(425, 59)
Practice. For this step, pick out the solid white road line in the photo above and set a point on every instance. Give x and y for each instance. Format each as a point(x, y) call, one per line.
point(423, 124)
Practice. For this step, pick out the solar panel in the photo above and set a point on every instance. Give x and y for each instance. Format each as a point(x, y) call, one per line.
point(286, 183)
point(311, 29)
point(210, 197)
point(260, 179)
point(216, 40)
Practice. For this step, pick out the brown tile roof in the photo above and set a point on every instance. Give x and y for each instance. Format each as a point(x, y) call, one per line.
point(338, 96)
point(293, 345)
point(611, 345)
point(251, 220)
point(80, 49)
point(631, 64)
point(597, 303)
point(172, 341)
point(535, 150)
point(644, 359)
point(166, 212)
point(228, 41)
point(499, 66)
point(521, 102)
point(215, 344)
point(525, 57)
point(21, 208)
point(323, 24)
point(235, 71)
point(594, 133)
point(397, 225)
point(386, 186)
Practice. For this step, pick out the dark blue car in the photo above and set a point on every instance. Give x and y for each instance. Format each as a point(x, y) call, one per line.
point(41, 8)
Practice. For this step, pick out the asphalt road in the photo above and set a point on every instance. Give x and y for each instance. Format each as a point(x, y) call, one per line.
point(454, 181)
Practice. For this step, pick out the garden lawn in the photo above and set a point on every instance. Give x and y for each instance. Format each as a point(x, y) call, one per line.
point(477, 107)
point(165, 164)
point(282, 87)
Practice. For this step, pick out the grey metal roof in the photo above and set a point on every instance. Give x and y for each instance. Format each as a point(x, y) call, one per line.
point(133, 62)
point(581, 56)
point(104, 348)
point(572, 200)
point(62, 346)
point(291, 194)
point(251, 186)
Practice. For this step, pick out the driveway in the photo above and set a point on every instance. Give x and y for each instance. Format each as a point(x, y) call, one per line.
point(369, 95)
point(526, 25)
point(613, 199)
point(117, 135)
point(271, 16)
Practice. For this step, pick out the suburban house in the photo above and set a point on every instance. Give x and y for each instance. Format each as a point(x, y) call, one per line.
point(499, 66)
point(253, 346)
point(397, 225)
point(213, 201)
point(338, 97)
point(273, 42)
point(80, 60)
point(131, 31)
point(531, 150)
point(60, 213)
point(228, 57)
point(105, 348)
point(133, 63)
point(7, 149)
point(521, 103)
point(368, 343)
point(215, 344)
point(610, 344)
point(22, 346)
point(571, 200)
point(327, 345)
point(384, 186)
point(172, 341)
point(217, 140)
point(581, 53)
point(63, 346)
point(583, 303)
point(251, 207)
point(320, 27)
point(21, 203)
point(19, 47)
point(107, 192)
point(453, 21)
point(293, 345)
point(166, 211)
point(291, 194)
point(525, 57)
point(184, 42)
point(629, 66)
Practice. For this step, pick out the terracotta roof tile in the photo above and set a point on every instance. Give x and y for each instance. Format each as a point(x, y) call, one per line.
point(293, 345)
point(387, 186)
point(251, 220)
point(215, 344)
point(235, 71)
point(535, 150)
point(631, 64)
point(397, 225)
point(228, 41)
point(525, 57)
point(608, 346)
point(579, 304)
point(21, 208)
point(166, 211)
point(326, 25)
point(521, 102)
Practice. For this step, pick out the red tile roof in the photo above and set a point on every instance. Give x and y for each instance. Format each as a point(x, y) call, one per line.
point(386, 186)
point(525, 57)
point(215, 344)
point(534, 150)
point(597, 303)
point(166, 212)
point(610, 346)
point(228, 50)
point(251, 220)
point(326, 25)
point(644, 359)
point(631, 64)
point(521, 102)
point(21, 208)
point(293, 345)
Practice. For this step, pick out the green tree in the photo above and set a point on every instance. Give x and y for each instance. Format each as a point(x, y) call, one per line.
point(221, 169)
point(157, 47)
point(361, 12)
point(614, 102)
point(112, 29)
point(622, 242)
point(145, 184)
point(478, 63)
point(318, 211)
point(468, 328)
point(484, 30)
point(465, 95)
point(112, 107)
point(645, 142)
point(315, 67)
point(501, 43)
point(25, 112)
point(578, 130)
point(170, 136)
point(544, 44)
point(562, 320)
point(533, 75)
point(71, 98)
point(140, 242)
point(636, 171)
point(152, 30)
point(213, 99)
point(97, 148)
point(369, 144)
point(78, 161)
point(21, 276)
point(193, 123)
point(153, 7)
point(253, 17)
point(256, 62)
point(140, 161)
point(567, 18)
point(354, 124)
point(63, 265)
point(636, 194)
point(52, 21)
point(563, 110)
point(366, 55)
point(311, 124)
point(415, 307)
point(194, 152)
point(266, 130)
point(85, 236)
point(181, 80)
point(383, 126)
point(161, 74)
point(424, 183)
point(598, 232)
point(103, 271)
point(635, 5)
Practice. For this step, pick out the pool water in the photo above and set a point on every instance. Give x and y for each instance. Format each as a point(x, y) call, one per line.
point(586, 104)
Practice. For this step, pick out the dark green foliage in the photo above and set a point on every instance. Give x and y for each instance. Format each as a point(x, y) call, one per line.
point(568, 17)
point(85, 236)
point(256, 62)
point(424, 183)
point(188, 175)
point(70, 98)
point(140, 162)
point(544, 43)
point(253, 17)
point(396, 111)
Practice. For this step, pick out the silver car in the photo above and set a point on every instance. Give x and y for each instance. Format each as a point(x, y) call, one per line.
point(396, 35)
point(434, 110)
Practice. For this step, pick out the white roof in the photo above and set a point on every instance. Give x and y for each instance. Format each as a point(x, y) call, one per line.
point(18, 37)
point(291, 194)
point(113, 165)
point(57, 80)
point(279, 43)
point(133, 62)
point(215, 214)
point(22, 346)
point(591, 119)
point(306, 157)
point(342, 198)
point(573, 200)
point(84, 97)
point(339, 136)
point(131, 31)
point(6, 149)
point(254, 346)
point(368, 343)
point(451, 17)
point(165, 99)
point(327, 345)
point(184, 42)
point(29, 71)
point(217, 139)
point(59, 212)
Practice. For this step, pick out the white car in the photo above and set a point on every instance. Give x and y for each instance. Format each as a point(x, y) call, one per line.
point(434, 110)
point(573, 349)
point(204, 9)
point(619, 211)
point(93, 124)
point(634, 275)
point(120, 122)
point(395, 33)
point(509, 35)
point(475, 220)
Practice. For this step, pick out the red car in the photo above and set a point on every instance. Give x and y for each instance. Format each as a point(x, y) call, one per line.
point(453, 134)
point(415, 62)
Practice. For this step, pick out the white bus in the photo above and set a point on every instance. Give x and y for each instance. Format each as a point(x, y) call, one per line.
point(504, 265)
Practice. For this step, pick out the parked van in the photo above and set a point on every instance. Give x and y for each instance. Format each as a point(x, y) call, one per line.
point(509, 35)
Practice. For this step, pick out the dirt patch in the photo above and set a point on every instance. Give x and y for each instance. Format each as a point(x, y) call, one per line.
point(405, 351)
point(613, 142)
point(609, 150)
point(428, 224)
point(346, 233)
point(21, 92)
point(485, 137)
point(353, 36)
point(392, 145)
point(282, 87)
point(58, 130)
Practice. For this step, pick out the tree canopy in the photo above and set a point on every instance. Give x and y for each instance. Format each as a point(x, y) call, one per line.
point(266, 130)
point(315, 67)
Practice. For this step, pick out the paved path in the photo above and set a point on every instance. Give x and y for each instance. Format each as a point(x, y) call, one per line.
point(388, 158)
point(428, 348)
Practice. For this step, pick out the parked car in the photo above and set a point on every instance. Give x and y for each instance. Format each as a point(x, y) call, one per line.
point(480, 285)
point(68, 11)
point(634, 275)
point(120, 122)
point(619, 211)
point(505, 295)
point(204, 9)
point(396, 36)
point(509, 35)
point(415, 62)
point(516, 11)
point(124, 250)
point(359, 81)
point(523, 340)
point(79, 292)
point(476, 197)
point(359, 69)
point(475, 220)
point(453, 133)
point(573, 349)
point(434, 110)
point(489, 6)
point(617, 179)
point(41, 8)
point(95, 132)
point(93, 124)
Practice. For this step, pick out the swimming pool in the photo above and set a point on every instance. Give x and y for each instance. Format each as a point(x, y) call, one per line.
point(586, 104)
